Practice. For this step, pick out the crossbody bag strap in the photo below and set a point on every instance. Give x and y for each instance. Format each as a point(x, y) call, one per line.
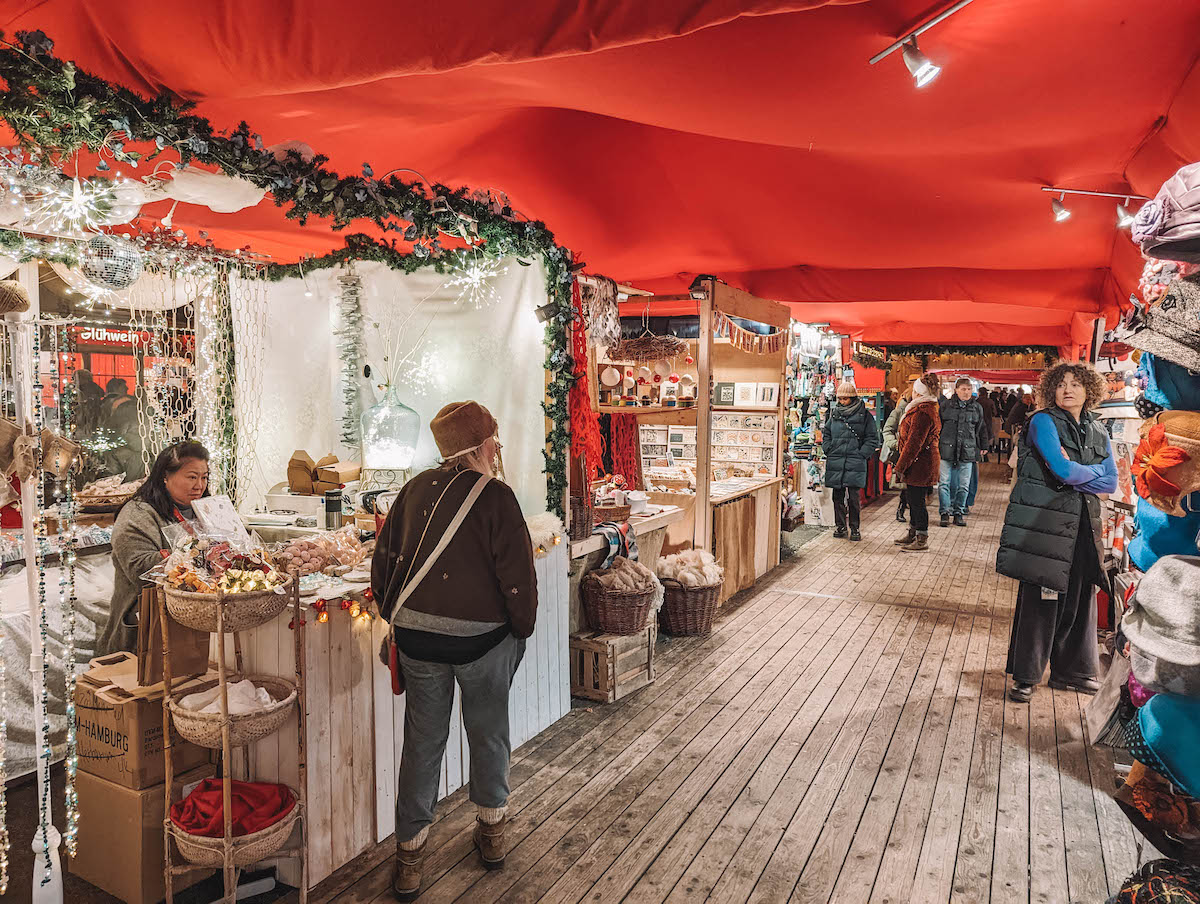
point(452, 529)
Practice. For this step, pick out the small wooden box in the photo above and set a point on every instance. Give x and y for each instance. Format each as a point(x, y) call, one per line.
point(607, 667)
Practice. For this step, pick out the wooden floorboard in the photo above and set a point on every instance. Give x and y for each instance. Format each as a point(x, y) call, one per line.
point(842, 735)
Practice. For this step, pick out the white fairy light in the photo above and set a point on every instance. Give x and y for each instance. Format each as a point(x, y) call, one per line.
point(474, 281)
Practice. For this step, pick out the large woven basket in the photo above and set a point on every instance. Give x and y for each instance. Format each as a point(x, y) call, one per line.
point(243, 611)
point(613, 612)
point(247, 849)
point(616, 513)
point(204, 729)
point(688, 610)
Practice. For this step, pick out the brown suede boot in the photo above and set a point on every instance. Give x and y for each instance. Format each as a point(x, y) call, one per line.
point(920, 543)
point(907, 537)
point(406, 879)
point(490, 841)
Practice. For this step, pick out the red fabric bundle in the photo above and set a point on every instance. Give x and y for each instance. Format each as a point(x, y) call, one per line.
point(625, 448)
point(586, 441)
point(255, 806)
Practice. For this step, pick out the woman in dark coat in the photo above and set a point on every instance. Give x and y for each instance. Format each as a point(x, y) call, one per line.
point(1051, 541)
point(917, 467)
point(848, 439)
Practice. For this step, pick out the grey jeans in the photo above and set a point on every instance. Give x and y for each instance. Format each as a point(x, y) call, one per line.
point(428, 700)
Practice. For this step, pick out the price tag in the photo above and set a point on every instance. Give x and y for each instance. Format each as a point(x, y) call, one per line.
point(1048, 594)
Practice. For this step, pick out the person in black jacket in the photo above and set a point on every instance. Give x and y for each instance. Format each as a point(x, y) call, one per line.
point(1051, 540)
point(850, 437)
point(964, 432)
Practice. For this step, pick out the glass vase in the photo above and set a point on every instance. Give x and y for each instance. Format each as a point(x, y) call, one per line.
point(390, 431)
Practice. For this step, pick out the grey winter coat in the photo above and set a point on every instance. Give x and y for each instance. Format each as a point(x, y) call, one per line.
point(849, 438)
point(137, 542)
point(891, 443)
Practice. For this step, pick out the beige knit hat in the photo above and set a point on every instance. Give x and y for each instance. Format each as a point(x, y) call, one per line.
point(1153, 459)
point(462, 427)
point(846, 388)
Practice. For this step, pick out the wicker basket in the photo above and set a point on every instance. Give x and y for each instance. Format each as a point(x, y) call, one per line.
point(243, 611)
point(581, 519)
point(616, 513)
point(247, 849)
point(612, 612)
point(204, 729)
point(688, 610)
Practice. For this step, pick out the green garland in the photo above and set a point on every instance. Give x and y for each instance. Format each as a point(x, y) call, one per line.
point(933, 350)
point(870, 361)
point(56, 110)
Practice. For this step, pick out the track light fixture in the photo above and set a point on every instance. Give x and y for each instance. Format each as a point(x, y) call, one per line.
point(1124, 217)
point(1061, 211)
point(919, 66)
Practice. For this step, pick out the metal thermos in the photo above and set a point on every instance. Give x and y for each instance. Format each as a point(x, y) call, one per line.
point(333, 509)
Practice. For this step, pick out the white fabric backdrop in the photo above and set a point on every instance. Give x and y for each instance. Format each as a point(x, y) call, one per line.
point(493, 355)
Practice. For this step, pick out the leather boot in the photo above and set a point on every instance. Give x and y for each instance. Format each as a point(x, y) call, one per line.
point(920, 543)
point(907, 537)
point(490, 841)
point(406, 879)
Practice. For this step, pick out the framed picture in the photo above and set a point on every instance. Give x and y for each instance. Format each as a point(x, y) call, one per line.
point(768, 395)
point(724, 394)
point(745, 394)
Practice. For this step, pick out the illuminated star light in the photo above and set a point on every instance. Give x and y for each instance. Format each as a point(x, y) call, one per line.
point(474, 281)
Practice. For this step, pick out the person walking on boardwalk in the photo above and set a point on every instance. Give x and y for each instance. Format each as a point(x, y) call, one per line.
point(917, 466)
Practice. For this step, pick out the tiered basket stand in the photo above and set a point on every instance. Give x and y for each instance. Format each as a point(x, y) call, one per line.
point(235, 853)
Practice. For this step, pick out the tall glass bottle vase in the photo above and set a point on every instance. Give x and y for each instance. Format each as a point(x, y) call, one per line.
point(390, 431)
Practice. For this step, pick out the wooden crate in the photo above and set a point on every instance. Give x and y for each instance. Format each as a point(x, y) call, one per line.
point(607, 667)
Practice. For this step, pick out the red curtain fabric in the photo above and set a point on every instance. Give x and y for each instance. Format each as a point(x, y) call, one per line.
point(255, 806)
point(744, 138)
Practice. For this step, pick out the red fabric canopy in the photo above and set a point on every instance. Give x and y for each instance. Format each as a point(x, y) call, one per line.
point(745, 138)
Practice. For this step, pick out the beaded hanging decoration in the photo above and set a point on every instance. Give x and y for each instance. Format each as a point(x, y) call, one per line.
point(46, 753)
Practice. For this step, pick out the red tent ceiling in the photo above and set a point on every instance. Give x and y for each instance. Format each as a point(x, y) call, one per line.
point(746, 139)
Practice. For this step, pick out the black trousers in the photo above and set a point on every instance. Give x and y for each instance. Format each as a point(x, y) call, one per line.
point(918, 513)
point(1061, 631)
point(847, 498)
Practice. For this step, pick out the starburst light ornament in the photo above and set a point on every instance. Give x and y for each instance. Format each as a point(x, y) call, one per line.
point(474, 281)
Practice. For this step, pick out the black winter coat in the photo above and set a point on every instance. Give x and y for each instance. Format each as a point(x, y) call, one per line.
point(1041, 525)
point(849, 438)
point(964, 430)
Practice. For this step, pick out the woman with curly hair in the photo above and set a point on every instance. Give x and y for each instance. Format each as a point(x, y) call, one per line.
point(1051, 541)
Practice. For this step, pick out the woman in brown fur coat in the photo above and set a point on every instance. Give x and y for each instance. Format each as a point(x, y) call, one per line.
point(917, 467)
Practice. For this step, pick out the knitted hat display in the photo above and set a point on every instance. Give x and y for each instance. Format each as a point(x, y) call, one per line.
point(13, 297)
point(462, 427)
point(1168, 227)
point(1169, 328)
point(1159, 534)
point(1169, 726)
point(1167, 461)
point(1163, 625)
point(1168, 385)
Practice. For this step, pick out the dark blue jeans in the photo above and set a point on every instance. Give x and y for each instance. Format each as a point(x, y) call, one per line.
point(954, 484)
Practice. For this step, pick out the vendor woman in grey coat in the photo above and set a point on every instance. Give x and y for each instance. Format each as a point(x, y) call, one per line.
point(178, 478)
point(848, 440)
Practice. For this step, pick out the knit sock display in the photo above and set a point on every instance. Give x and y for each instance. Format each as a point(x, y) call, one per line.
point(489, 816)
point(416, 841)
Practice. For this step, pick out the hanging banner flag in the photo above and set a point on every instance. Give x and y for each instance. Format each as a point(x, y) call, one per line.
point(744, 339)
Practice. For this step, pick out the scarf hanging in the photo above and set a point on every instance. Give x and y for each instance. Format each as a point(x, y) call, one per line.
point(587, 444)
point(626, 448)
point(744, 339)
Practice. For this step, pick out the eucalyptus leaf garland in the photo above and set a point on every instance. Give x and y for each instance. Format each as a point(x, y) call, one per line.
point(56, 110)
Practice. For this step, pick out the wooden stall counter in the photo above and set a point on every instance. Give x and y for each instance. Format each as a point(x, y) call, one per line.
point(745, 529)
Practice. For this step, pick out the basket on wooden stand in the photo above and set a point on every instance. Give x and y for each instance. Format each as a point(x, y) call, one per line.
point(613, 611)
point(204, 729)
point(618, 513)
point(243, 611)
point(688, 610)
point(203, 850)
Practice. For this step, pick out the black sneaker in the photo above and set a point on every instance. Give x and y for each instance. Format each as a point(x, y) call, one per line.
point(900, 515)
point(855, 535)
point(960, 521)
point(839, 533)
point(1020, 692)
point(944, 521)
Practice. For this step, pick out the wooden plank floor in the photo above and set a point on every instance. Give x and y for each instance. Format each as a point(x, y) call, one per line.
point(843, 735)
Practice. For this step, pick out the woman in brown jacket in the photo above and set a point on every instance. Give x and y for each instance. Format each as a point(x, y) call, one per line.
point(465, 621)
point(917, 467)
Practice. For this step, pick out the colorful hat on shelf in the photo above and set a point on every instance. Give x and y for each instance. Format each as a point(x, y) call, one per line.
point(1163, 626)
point(1168, 227)
point(1167, 461)
point(1170, 329)
point(462, 427)
point(1167, 738)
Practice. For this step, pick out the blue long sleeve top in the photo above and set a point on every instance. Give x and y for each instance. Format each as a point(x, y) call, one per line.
point(1101, 478)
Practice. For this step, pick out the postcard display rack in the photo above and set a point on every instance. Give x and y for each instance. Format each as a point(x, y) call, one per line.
point(736, 509)
point(230, 854)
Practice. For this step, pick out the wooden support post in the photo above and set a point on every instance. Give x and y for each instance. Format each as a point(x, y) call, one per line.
point(702, 539)
point(302, 735)
point(226, 777)
point(167, 755)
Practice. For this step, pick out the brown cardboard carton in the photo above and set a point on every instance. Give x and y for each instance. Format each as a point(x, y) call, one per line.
point(121, 836)
point(339, 472)
point(300, 472)
point(120, 725)
point(321, 487)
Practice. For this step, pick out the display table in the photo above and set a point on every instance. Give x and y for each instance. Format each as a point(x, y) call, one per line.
point(589, 554)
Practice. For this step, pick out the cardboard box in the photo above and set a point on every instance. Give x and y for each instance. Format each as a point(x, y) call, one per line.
point(121, 837)
point(340, 472)
point(120, 731)
point(300, 472)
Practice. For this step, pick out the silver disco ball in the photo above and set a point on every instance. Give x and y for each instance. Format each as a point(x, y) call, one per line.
point(111, 262)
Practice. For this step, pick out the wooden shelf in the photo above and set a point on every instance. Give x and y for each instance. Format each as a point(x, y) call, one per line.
point(639, 409)
point(747, 410)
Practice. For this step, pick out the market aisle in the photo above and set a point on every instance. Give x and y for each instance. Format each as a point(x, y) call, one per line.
point(843, 735)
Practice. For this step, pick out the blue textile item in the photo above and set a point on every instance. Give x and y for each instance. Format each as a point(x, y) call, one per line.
point(954, 485)
point(1170, 385)
point(1160, 534)
point(621, 540)
point(1170, 727)
point(1101, 478)
point(974, 484)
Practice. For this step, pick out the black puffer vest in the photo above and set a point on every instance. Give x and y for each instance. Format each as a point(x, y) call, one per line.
point(1041, 525)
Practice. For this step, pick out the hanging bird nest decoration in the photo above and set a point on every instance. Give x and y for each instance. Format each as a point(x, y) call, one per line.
point(648, 348)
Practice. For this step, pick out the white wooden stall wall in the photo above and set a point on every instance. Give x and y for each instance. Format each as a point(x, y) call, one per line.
point(540, 695)
point(356, 725)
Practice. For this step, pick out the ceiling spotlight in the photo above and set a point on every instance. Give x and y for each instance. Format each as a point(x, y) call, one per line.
point(1124, 217)
point(698, 290)
point(919, 66)
point(1061, 211)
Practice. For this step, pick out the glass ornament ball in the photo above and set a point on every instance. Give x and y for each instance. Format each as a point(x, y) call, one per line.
point(111, 262)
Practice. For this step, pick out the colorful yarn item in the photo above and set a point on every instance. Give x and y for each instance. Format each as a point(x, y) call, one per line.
point(625, 447)
point(587, 444)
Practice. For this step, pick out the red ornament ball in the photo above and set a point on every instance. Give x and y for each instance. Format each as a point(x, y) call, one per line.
point(674, 378)
point(658, 378)
point(689, 360)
